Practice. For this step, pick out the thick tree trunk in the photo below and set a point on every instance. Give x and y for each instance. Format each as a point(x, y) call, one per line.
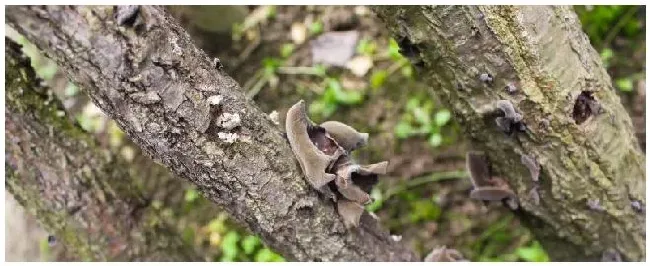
point(585, 156)
point(59, 174)
point(174, 102)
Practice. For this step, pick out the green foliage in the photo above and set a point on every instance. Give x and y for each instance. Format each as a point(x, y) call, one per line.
point(315, 28)
point(532, 253)
point(229, 247)
point(333, 97)
point(417, 121)
point(625, 84)
point(424, 210)
point(287, 49)
point(393, 50)
point(191, 195)
point(366, 47)
point(604, 23)
point(606, 55)
point(378, 78)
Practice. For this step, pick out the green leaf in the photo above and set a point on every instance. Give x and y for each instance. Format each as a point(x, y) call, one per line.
point(366, 47)
point(533, 253)
point(266, 255)
point(422, 117)
point(323, 109)
point(412, 104)
point(271, 65)
point(316, 28)
point(606, 55)
point(403, 130)
point(287, 49)
point(320, 70)
point(191, 195)
point(229, 248)
point(216, 225)
point(378, 78)
point(442, 117)
point(407, 71)
point(271, 12)
point(424, 210)
point(378, 200)
point(625, 84)
point(250, 243)
point(343, 96)
point(435, 140)
point(393, 50)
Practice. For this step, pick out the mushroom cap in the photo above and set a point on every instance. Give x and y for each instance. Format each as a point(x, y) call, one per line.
point(347, 137)
point(478, 168)
point(377, 168)
point(490, 193)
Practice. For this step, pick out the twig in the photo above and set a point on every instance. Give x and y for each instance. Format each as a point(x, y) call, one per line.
point(298, 71)
point(435, 177)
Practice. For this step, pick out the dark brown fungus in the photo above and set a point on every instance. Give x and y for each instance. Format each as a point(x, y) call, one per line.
point(585, 106)
point(487, 188)
point(478, 168)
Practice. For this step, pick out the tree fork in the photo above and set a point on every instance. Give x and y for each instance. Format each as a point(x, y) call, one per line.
point(538, 58)
point(142, 70)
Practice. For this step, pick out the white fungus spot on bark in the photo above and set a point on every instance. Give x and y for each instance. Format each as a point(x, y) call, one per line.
point(228, 137)
point(215, 99)
point(228, 121)
point(275, 117)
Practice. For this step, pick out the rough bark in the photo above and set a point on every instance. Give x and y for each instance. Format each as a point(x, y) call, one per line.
point(545, 54)
point(157, 85)
point(59, 174)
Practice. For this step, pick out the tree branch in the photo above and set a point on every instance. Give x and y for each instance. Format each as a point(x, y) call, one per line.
point(148, 76)
point(60, 174)
point(539, 59)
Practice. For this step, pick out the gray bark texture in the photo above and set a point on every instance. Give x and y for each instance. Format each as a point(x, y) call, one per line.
point(179, 107)
point(592, 169)
point(81, 194)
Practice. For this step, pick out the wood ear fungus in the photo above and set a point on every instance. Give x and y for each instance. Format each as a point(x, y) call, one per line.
point(323, 152)
point(486, 187)
point(313, 147)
